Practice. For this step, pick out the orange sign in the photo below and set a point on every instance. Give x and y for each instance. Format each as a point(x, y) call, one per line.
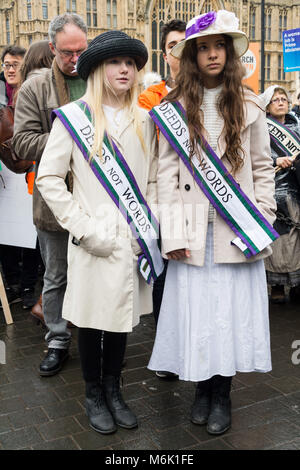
point(250, 60)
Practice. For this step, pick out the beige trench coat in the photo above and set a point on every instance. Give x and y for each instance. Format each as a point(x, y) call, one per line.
point(104, 290)
point(184, 207)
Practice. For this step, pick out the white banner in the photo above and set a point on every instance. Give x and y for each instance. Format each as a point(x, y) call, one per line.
point(16, 219)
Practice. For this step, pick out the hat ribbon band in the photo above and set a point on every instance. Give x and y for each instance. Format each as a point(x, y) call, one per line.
point(201, 23)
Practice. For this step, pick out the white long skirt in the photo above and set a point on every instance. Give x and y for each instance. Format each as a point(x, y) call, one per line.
point(213, 319)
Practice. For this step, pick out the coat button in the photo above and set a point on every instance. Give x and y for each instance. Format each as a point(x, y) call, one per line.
point(187, 187)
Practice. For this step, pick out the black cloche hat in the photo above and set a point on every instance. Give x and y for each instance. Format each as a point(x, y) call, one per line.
point(107, 45)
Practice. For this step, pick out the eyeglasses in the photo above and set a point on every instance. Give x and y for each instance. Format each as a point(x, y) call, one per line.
point(278, 100)
point(15, 66)
point(69, 54)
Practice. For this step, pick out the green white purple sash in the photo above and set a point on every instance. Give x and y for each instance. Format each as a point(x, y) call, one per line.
point(113, 172)
point(287, 141)
point(253, 231)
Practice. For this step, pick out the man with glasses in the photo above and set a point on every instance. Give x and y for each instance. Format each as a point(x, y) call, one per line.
point(11, 60)
point(11, 256)
point(36, 100)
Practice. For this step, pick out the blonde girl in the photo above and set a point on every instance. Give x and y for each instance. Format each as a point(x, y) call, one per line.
point(105, 293)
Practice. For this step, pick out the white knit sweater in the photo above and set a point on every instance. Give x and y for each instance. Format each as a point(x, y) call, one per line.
point(213, 124)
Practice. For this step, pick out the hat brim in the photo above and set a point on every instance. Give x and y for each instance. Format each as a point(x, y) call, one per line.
point(120, 47)
point(240, 42)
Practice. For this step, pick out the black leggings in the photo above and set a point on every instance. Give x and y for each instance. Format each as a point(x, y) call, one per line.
point(100, 351)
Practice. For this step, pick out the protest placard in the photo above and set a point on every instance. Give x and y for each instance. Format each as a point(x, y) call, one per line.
point(16, 223)
point(291, 50)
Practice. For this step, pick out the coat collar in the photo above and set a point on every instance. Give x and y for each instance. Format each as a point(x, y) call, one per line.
point(61, 86)
point(125, 124)
point(122, 127)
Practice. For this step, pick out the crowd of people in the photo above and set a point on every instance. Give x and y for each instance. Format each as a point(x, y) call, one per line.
point(173, 200)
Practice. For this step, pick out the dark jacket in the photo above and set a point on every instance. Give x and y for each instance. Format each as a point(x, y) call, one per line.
point(286, 183)
point(296, 110)
point(37, 98)
point(3, 95)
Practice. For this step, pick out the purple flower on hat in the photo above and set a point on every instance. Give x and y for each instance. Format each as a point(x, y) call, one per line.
point(201, 23)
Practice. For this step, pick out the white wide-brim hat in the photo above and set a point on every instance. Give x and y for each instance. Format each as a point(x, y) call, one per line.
point(220, 22)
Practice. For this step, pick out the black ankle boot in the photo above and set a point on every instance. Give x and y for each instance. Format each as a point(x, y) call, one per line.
point(201, 406)
point(99, 415)
point(219, 419)
point(122, 414)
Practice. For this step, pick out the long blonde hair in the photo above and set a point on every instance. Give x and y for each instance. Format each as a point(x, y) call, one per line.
point(97, 84)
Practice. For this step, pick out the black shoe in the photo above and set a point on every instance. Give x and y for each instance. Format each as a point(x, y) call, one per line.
point(28, 297)
point(164, 374)
point(122, 414)
point(277, 294)
point(13, 295)
point(295, 294)
point(201, 406)
point(219, 420)
point(99, 415)
point(53, 361)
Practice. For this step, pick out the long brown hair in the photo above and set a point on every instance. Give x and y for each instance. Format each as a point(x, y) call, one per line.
point(189, 87)
point(38, 56)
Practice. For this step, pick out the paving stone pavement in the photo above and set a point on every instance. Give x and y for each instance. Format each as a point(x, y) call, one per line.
point(48, 413)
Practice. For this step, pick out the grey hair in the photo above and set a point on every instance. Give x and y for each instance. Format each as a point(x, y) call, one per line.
point(58, 23)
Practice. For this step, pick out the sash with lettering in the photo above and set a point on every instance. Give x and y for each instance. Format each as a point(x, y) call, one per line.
point(283, 138)
point(113, 172)
point(254, 233)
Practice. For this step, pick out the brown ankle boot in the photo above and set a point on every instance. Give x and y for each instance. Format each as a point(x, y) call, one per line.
point(37, 311)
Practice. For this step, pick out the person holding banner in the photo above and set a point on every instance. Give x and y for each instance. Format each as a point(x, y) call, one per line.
point(283, 266)
point(215, 193)
point(109, 144)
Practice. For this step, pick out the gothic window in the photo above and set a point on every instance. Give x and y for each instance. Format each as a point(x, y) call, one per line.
point(267, 66)
point(207, 6)
point(163, 11)
point(282, 23)
point(7, 30)
point(29, 11)
point(161, 14)
point(71, 6)
point(281, 73)
point(95, 19)
point(88, 13)
point(111, 13)
point(268, 25)
point(45, 9)
point(252, 23)
point(185, 10)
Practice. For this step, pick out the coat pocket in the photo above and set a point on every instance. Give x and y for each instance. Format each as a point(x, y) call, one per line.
point(99, 240)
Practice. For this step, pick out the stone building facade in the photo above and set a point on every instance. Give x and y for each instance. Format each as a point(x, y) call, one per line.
point(25, 21)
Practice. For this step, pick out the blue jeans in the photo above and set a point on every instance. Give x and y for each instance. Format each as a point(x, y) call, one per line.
point(54, 246)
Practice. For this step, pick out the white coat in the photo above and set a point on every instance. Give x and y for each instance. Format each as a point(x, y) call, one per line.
point(184, 206)
point(105, 290)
